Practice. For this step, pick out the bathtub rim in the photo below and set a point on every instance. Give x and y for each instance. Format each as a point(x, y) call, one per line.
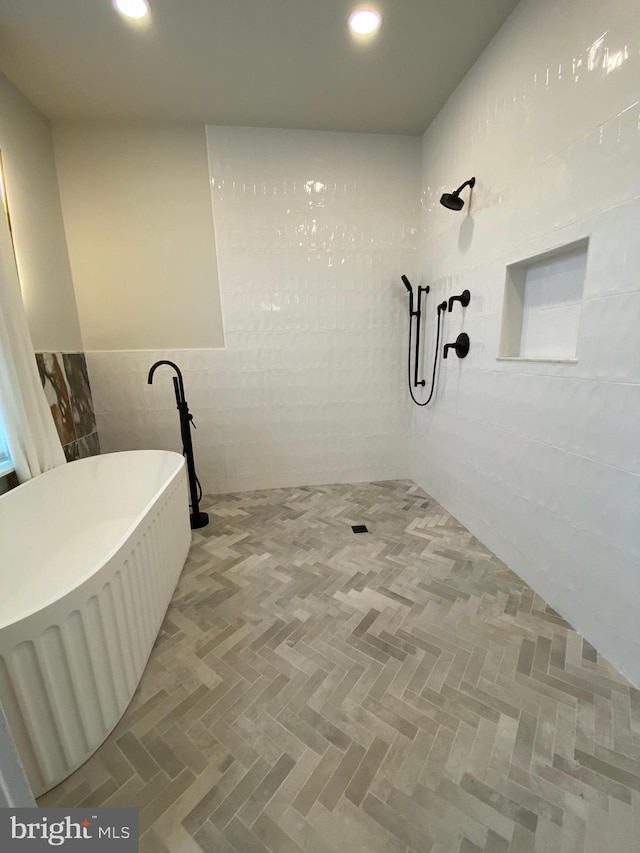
point(108, 555)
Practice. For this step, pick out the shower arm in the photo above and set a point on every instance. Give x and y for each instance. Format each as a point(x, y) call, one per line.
point(470, 183)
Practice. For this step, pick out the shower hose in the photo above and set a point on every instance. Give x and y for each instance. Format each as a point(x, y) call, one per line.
point(435, 360)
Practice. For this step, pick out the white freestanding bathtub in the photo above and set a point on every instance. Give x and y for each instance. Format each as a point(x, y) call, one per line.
point(90, 556)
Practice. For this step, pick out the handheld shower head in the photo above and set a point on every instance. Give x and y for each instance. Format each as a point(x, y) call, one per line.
point(407, 284)
point(452, 201)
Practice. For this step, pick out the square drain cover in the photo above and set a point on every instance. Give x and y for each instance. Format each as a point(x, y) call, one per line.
point(359, 528)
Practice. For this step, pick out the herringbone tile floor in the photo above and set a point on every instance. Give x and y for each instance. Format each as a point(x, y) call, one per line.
point(319, 691)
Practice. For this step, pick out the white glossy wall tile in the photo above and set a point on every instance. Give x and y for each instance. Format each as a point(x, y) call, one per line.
point(541, 460)
point(313, 231)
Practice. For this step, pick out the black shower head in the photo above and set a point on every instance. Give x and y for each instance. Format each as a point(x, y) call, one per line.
point(453, 200)
point(407, 284)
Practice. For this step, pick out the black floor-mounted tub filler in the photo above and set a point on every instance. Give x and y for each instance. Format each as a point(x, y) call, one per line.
point(198, 519)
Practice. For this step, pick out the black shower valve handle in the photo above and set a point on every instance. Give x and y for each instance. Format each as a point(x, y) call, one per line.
point(460, 345)
point(464, 298)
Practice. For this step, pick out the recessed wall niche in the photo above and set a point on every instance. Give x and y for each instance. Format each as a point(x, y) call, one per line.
point(542, 305)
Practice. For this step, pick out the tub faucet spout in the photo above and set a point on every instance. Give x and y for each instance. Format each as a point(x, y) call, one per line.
point(177, 380)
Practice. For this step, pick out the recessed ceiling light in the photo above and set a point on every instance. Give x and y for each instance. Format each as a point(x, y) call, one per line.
point(365, 21)
point(132, 8)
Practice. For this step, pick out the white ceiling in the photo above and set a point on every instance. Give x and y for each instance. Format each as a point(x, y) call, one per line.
point(272, 63)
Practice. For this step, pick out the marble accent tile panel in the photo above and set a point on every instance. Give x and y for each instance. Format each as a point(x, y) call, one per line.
point(71, 451)
point(75, 367)
point(89, 445)
point(65, 381)
point(56, 389)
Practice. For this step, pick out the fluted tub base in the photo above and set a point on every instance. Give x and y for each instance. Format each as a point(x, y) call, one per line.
point(95, 549)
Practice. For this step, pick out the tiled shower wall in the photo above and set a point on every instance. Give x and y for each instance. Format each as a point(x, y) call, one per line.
point(313, 231)
point(66, 385)
point(541, 460)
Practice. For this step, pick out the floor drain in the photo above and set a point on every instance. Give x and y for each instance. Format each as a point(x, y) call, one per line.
point(359, 528)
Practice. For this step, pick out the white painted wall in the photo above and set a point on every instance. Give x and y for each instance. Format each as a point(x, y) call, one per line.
point(36, 217)
point(313, 231)
point(542, 461)
point(137, 213)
